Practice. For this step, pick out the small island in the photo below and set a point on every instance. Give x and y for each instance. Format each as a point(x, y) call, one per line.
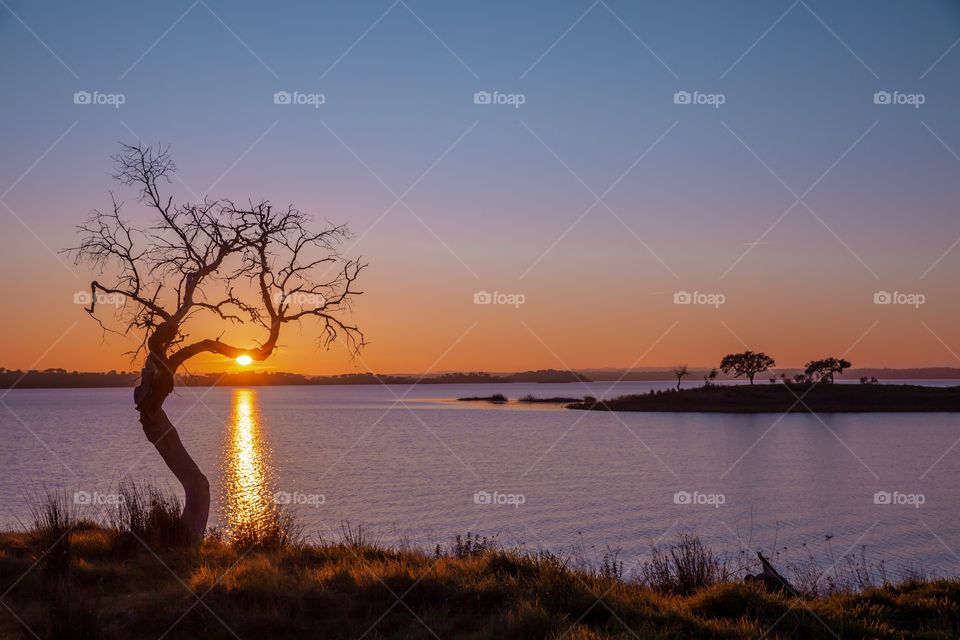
point(497, 398)
point(783, 398)
point(531, 399)
point(813, 391)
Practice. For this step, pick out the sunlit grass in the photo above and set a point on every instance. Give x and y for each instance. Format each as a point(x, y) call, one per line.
point(467, 588)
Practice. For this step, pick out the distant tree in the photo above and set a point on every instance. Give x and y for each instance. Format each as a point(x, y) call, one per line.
point(826, 368)
point(219, 261)
point(709, 377)
point(680, 371)
point(747, 364)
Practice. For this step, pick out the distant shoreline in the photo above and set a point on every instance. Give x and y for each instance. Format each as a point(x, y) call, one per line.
point(61, 379)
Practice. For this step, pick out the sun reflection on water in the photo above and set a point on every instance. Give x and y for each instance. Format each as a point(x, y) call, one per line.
point(247, 473)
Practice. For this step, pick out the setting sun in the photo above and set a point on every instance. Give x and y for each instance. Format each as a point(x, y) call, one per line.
point(244, 360)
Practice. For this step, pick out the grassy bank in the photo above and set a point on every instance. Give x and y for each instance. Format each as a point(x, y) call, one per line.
point(67, 579)
point(783, 398)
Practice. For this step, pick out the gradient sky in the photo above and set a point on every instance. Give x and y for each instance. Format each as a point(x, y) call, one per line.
point(501, 197)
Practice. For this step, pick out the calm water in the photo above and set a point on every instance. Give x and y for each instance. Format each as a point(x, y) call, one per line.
point(565, 480)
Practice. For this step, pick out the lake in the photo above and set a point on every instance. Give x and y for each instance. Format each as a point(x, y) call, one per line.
point(428, 468)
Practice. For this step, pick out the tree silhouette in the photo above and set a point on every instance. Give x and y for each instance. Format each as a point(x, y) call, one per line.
point(825, 369)
point(679, 372)
point(747, 364)
point(248, 265)
point(710, 376)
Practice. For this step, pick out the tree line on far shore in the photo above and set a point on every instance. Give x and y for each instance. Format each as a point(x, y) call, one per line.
point(748, 364)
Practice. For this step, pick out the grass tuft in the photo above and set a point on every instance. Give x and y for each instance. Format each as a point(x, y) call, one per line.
point(277, 529)
point(52, 522)
point(147, 514)
point(684, 568)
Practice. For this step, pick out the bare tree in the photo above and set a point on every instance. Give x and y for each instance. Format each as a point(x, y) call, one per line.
point(710, 376)
point(247, 264)
point(679, 372)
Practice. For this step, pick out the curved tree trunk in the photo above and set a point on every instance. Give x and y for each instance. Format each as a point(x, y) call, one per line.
point(156, 383)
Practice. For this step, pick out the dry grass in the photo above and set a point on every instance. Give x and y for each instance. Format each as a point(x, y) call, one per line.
point(52, 519)
point(277, 586)
point(685, 567)
point(344, 588)
point(147, 515)
point(277, 529)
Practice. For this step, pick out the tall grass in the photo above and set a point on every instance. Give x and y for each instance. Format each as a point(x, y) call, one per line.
point(357, 537)
point(150, 515)
point(72, 615)
point(52, 520)
point(850, 573)
point(277, 529)
point(685, 567)
point(470, 546)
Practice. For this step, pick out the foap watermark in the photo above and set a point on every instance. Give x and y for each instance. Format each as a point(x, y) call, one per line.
point(86, 298)
point(299, 98)
point(299, 498)
point(699, 499)
point(495, 97)
point(900, 499)
point(96, 499)
point(900, 298)
point(495, 497)
point(898, 98)
point(302, 298)
point(510, 299)
point(699, 297)
point(699, 98)
point(97, 98)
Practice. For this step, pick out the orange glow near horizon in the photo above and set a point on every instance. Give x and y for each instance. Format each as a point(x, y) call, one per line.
point(795, 316)
point(643, 331)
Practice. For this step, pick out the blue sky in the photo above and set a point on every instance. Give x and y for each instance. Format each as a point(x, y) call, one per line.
point(503, 200)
